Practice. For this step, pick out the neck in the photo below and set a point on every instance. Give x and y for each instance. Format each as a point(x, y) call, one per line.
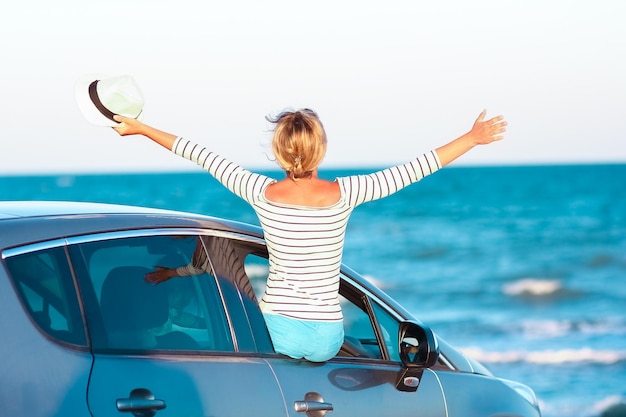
point(311, 176)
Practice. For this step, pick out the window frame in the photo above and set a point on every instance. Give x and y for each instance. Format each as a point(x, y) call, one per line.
point(351, 290)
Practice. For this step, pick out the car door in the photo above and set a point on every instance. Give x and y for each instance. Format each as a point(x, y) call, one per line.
point(361, 380)
point(172, 348)
point(366, 378)
point(351, 388)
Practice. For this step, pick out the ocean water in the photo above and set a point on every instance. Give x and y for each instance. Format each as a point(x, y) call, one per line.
point(522, 267)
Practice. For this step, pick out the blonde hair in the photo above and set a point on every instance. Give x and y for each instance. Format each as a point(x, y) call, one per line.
point(299, 142)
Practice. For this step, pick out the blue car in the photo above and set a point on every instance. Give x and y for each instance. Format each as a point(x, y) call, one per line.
point(83, 334)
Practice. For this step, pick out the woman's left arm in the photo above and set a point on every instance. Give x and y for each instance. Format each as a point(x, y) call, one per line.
point(482, 133)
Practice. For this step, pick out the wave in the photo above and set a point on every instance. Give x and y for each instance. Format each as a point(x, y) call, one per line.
point(548, 357)
point(610, 406)
point(613, 405)
point(534, 329)
point(533, 287)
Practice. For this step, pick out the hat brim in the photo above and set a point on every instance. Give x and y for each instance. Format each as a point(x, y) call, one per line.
point(86, 106)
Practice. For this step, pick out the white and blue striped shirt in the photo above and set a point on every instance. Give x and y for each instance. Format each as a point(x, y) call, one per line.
point(305, 244)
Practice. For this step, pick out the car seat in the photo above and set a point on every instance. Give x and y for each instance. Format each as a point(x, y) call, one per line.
point(134, 312)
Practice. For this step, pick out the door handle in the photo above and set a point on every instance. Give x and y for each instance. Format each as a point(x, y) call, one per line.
point(141, 403)
point(313, 405)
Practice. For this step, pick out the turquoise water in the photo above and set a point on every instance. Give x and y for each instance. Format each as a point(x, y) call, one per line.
point(524, 267)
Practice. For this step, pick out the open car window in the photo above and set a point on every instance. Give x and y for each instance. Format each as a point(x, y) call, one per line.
point(370, 331)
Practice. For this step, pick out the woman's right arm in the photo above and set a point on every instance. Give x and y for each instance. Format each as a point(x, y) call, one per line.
point(241, 182)
point(130, 126)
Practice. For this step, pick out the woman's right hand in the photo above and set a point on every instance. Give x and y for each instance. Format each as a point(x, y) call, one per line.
point(128, 126)
point(159, 275)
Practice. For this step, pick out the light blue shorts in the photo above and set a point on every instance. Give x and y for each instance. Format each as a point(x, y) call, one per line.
point(316, 341)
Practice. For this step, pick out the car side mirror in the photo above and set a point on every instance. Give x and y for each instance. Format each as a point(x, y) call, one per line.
point(418, 350)
point(418, 345)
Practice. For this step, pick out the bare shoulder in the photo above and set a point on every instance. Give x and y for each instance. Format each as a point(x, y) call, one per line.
point(329, 185)
point(331, 191)
point(307, 192)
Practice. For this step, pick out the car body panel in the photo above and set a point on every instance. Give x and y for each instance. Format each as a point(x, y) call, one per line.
point(189, 385)
point(358, 388)
point(39, 377)
point(472, 395)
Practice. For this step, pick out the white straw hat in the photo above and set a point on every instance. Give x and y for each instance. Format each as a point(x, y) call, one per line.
point(99, 97)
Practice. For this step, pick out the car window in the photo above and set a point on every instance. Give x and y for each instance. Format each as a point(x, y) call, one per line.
point(126, 312)
point(257, 270)
point(46, 288)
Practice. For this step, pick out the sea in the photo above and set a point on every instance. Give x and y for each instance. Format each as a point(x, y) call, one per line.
point(521, 267)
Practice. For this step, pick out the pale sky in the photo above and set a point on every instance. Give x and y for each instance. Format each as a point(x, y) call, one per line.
point(390, 79)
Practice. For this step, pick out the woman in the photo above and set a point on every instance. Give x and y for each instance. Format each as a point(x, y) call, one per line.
point(304, 219)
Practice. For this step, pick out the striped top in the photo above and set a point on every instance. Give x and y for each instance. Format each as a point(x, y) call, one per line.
point(305, 244)
point(224, 262)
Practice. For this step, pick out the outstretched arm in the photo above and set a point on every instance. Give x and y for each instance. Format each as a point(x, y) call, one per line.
point(130, 126)
point(238, 180)
point(482, 133)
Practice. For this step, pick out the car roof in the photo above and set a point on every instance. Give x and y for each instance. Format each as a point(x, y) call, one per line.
point(24, 222)
point(12, 209)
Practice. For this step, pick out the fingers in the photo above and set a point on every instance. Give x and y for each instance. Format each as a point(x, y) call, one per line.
point(490, 130)
point(155, 279)
point(481, 116)
point(151, 278)
point(498, 123)
point(159, 275)
point(497, 127)
point(126, 126)
point(493, 120)
point(120, 128)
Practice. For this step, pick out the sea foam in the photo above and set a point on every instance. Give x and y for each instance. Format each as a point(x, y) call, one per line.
point(532, 286)
point(548, 357)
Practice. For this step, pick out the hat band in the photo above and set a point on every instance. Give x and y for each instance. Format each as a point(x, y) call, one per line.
point(93, 95)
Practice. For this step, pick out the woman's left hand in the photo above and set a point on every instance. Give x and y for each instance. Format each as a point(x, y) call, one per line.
point(487, 131)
